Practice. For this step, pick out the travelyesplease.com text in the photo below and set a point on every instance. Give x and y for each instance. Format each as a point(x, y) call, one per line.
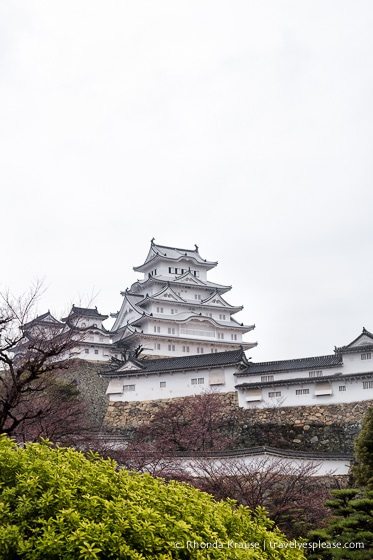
point(266, 545)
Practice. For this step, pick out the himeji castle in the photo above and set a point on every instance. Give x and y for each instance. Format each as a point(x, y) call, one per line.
point(174, 310)
point(176, 335)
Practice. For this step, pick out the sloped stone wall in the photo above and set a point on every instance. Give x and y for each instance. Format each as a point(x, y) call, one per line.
point(329, 428)
point(91, 387)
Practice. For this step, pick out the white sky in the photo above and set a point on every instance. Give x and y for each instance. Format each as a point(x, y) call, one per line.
point(245, 127)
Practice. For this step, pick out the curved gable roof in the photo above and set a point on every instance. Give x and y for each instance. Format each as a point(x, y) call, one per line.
point(175, 254)
point(85, 312)
point(363, 342)
point(220, 302)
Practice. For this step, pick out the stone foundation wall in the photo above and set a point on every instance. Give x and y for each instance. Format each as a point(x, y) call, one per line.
point(329, 428)
point(91, 387)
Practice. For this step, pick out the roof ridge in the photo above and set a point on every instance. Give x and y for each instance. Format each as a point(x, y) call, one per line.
point(293, 360)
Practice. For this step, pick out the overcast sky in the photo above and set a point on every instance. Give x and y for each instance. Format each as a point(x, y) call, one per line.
point(245, 127)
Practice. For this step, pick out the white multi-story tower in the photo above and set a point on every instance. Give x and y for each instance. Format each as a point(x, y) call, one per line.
point(174, 310)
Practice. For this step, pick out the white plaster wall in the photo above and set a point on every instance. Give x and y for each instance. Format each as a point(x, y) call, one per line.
point(354, 364)
point(264, 461)
point(300, 374)
point(354, 393)
point(177, 385)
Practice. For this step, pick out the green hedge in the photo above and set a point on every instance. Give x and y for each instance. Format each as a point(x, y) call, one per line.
point(58, 503)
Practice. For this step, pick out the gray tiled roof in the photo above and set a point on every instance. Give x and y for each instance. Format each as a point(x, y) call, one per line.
point(175, 254)
point(41, 320)
point(85, 312)
point(293, 365)
point(355, 346)
point(305, 380)
point(197, 361)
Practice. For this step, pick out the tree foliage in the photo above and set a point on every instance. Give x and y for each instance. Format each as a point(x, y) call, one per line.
point(363, 470)
point(58, 504)
point(350, 529)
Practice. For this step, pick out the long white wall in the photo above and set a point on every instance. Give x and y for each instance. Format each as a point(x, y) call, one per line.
point(340, 390)
point(170, 385)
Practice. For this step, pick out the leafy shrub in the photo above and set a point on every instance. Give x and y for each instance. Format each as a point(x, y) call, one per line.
point(56, 503)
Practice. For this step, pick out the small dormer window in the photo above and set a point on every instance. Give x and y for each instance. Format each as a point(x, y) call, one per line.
point(84, 325)
point(317, 373)
point(95, 325)
point(266, 378)
point(366, 356)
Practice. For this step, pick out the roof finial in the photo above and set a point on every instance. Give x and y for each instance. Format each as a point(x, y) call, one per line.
point(152, 240)
point(196, 246)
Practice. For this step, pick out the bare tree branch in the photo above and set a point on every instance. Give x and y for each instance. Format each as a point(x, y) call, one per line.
point(31, 355)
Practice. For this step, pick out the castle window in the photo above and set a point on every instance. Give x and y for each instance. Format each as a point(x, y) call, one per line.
point(171, 330)
point(274, 394)
point(86, 350)
point(171, 347)
point(367, 356)
point(221, 335)
point(185, 348)
point(367, 384)
point(157, 329)
point(96, 351)
point(162, 384)
point(159, 309)
point(197, 296)
point(323, 389)
point(222, 317)
point(342, 387)
point(199, 350)
point(157, 346)
point(265, 378)
point(128, 388)
point(233, 336)
point(302, 391)
point(194, 381)
point(315, 373)
point(253, 395)
point(201, 381)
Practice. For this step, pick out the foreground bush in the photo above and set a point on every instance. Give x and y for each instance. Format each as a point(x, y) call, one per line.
point(57, 503)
